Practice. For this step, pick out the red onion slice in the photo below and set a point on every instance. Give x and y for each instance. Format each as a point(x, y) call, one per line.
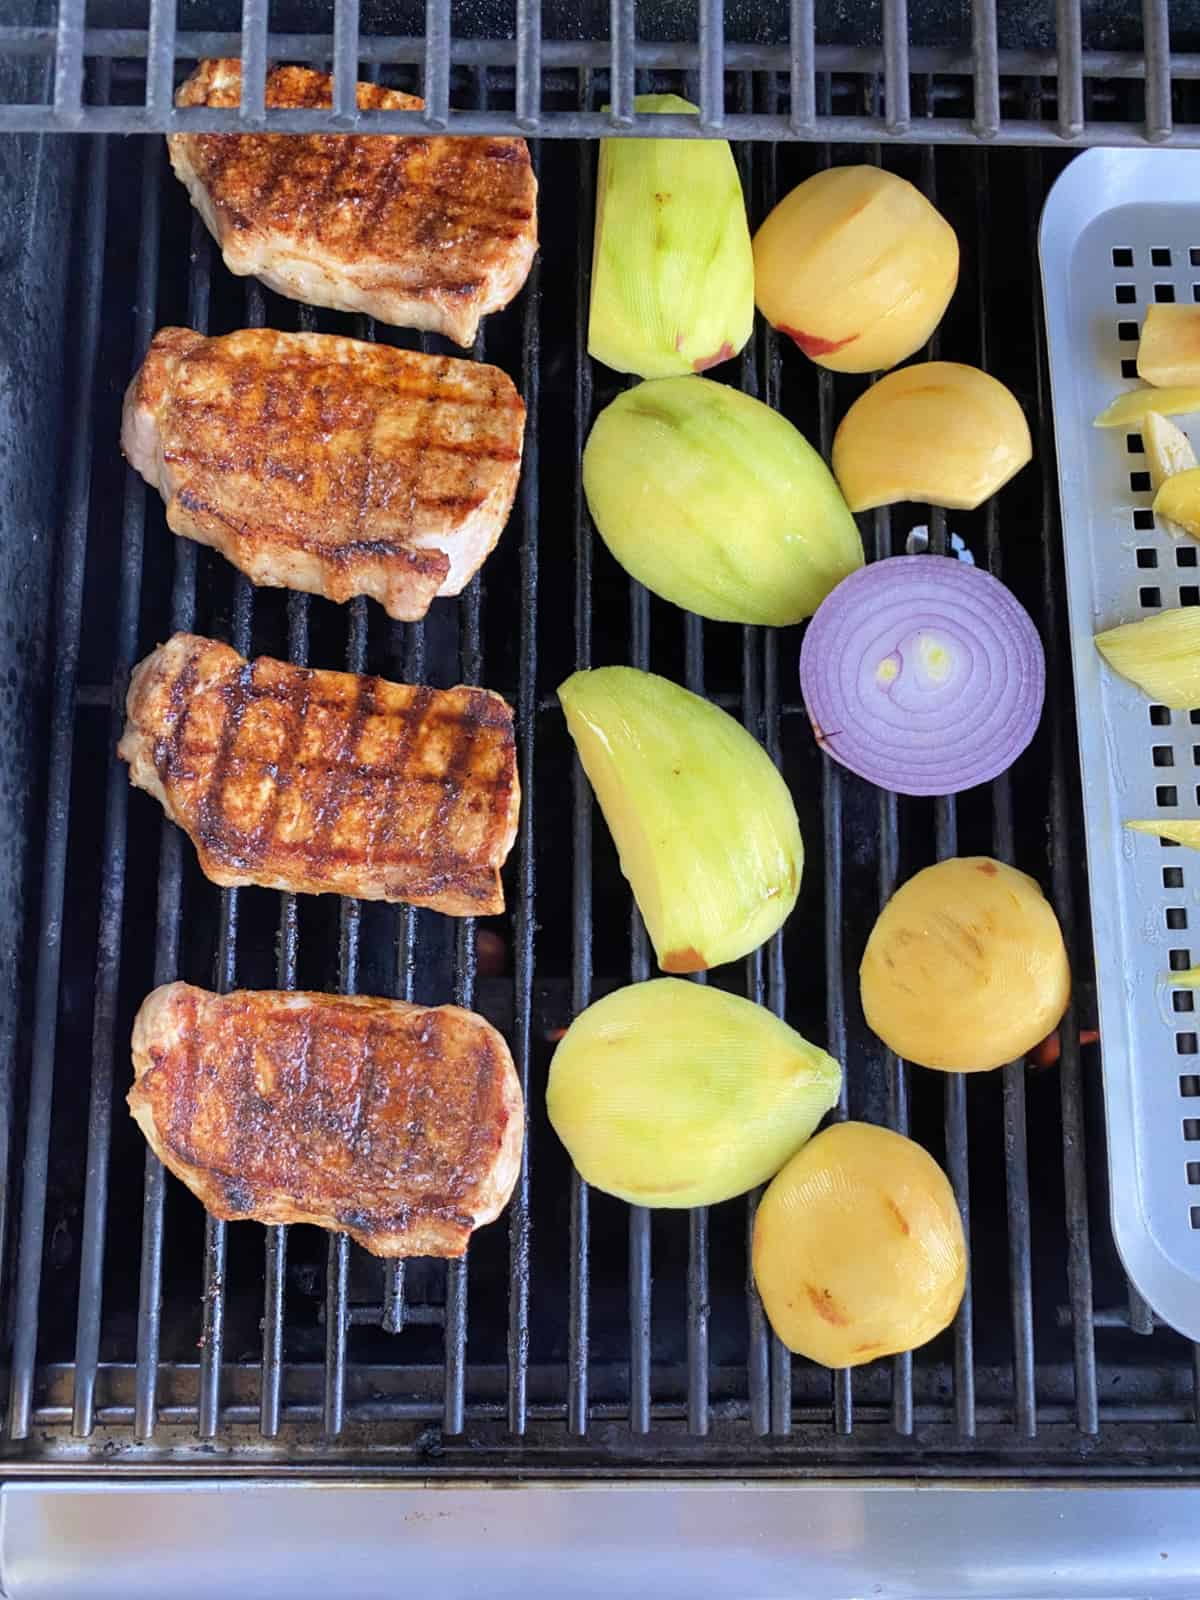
point(923, 675)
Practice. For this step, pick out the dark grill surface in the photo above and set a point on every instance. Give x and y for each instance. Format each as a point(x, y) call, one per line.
point(579, 1335)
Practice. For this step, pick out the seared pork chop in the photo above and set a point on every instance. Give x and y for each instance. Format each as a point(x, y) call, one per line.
point(425, 232)
point(326, 782)
point(399, 1125)
point(319, 463)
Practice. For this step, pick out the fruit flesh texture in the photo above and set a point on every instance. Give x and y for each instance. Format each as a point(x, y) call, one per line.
point(965, 968)
point(672, 267)
point(1177, 503)
point(1169, 349)
point(676, 1094)
point(938, 432)
point(1160, 654)
point(704, 823)
point(1168, 452)
point(856, 267)
point(1131, 409)
point(717, 503)
point(858, 1247)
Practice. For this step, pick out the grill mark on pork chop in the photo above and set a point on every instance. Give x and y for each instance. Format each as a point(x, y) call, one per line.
point(336, 792)
point(205, 778)
point(213, 826)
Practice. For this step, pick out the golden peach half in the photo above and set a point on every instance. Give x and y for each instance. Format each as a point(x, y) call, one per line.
point(857, 267)
point(938, 432)
point(859, 1249)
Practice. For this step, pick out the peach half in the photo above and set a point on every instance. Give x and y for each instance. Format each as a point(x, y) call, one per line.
point(938, 432)
point(856, 267)
point(1169, 349)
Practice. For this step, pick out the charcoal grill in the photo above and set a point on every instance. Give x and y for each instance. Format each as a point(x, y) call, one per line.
point(579, 1338)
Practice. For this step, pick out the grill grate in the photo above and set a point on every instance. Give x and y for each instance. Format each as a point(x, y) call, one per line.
point(593, 1337)
point(981, 70)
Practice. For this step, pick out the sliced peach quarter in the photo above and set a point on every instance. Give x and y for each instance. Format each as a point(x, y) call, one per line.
point(1177, 503)
point(1169, 350)
point(1130, 410)
point(938, 432)
point(1168, 449)
point(856, 267)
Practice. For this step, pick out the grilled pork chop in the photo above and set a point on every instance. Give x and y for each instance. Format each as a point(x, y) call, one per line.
point(324, 464)
point(398, 1125)
point(423, 232)
point(326, 782)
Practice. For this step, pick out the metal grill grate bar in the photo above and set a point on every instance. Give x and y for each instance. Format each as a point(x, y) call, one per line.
point(895, 64)
point(581, 792)
point(779, 1357)
point(68, 59)
point(639, 1216)
point(275, 1242)
point(1016, 1151)
point(712, 65)
point(212, 1322)
point(1156, 38)
point(68, 616)
point(802, 36)
point(436, 87)
point(337, 1268)
point(160, 58)
point(167, 929)
point(525, 913)
point(1070, 69)
point(529, 64)
point(957, 1161)
point(697, 1268)
point(623, 41)
point(470, 666)
point(987, 69)
point(116, 846)
point(345, 61)
point(575, 55)
point(1079, 1260)
point(408, 645)
point(255, 14)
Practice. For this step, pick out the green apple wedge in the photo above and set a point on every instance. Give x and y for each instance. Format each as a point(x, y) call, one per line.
point(704, 823)
point(717, 503)
point(676, 1094)
point(672, 266)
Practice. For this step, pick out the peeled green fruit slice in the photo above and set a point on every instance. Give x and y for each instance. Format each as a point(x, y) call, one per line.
point(672, 267)
point(1161, 654)
point(717, 503)
point(676, 1094)
point(704, 824)
point(1130, 409)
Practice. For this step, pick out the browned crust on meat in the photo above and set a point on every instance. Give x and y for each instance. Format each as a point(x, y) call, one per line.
point(428, 232)
point(328, 465)
point(399, 1125)
point(327, 782)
